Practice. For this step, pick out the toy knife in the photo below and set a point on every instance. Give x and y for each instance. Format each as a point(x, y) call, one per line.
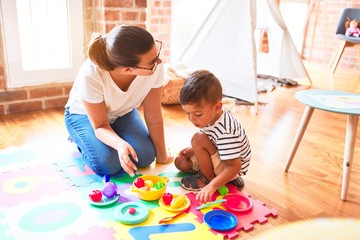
point(210, 204)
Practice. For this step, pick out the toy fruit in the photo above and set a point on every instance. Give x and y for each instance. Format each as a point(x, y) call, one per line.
point(223, 190)
point(159, 185)
point(145, 188)
point(139, 182)
point(95, 195)
point(149, 183)
point(167, 198)
point(132, 210)
point(178, 202)
point(109, 190)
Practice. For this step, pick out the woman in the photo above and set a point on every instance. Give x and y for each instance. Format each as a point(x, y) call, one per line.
point(123, 71)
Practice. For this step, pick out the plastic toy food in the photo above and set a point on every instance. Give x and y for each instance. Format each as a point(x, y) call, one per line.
point(167, 198)
point(132, 210)
point(149, 183)
point(223, 190)
point(109, 190)
point(95, 195)
point(159, 185)
point(145, 188)
point(139, 183)
point(178, 202)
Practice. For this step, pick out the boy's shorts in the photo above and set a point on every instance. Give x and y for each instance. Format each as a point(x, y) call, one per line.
point(218, 168)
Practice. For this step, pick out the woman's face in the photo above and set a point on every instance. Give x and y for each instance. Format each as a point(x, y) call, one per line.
point(150, 60)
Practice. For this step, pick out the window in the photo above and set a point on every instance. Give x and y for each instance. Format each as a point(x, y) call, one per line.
point(43, 40)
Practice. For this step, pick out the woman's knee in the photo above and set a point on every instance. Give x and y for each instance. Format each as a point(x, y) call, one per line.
point(105, 163)
point(145, 154)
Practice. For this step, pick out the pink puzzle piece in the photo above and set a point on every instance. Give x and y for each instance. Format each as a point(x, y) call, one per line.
point(258, 214)
point(94, 233)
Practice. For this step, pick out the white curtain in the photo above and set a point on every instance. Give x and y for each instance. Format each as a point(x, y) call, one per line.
point(283, 60)
point(225, 45)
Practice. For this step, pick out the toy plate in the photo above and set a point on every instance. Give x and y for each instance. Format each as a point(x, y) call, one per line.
point(220, 220)
point(122, 214)
point(237, 203)
point(180, 208)
point(104, 201)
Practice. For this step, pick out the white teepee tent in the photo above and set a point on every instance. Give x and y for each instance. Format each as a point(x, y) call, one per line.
point(225, 45)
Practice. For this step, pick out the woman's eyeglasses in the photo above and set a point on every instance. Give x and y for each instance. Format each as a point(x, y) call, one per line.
point(156, 60)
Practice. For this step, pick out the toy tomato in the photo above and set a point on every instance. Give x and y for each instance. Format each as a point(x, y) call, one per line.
point(139, 182)
point(132, 211)
point(167, 198)
point(95, 195)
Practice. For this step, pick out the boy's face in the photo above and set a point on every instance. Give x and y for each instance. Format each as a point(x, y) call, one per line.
point(204, 114)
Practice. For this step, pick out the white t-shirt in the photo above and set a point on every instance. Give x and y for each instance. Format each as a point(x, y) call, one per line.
point(95, 85)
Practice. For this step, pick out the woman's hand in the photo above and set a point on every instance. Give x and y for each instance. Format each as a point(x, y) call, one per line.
point(125, 151)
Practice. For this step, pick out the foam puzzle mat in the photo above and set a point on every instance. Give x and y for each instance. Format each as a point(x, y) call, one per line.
point(44, 195)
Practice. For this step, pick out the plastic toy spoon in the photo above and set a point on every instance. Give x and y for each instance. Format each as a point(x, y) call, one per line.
point(210, 204)
point(168, 219)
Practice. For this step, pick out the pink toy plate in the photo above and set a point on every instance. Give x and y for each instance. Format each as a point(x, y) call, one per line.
point(237, 203)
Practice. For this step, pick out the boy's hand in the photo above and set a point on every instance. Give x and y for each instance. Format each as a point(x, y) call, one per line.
point(205, 194)
point(186, 153)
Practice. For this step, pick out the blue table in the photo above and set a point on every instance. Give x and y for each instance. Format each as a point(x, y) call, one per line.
point(336, 102)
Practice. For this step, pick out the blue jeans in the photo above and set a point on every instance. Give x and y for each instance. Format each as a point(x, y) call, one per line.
point(100, 157)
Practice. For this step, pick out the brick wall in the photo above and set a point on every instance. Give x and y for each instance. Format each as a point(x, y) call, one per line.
point(99, 16)
point(155, 15)
point(321, 46)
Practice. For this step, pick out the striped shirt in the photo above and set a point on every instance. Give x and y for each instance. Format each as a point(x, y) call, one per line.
point(231, 140)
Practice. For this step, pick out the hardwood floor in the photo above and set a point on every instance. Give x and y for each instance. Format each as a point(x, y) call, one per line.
point(312, 187)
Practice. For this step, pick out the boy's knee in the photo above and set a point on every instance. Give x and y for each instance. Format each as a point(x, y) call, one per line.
point(199, 138)
point(105, 164)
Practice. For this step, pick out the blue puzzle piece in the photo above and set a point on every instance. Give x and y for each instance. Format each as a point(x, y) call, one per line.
point(144, 232)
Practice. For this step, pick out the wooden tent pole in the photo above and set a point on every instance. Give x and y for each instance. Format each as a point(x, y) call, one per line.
point(314, 29)
point(311, 4)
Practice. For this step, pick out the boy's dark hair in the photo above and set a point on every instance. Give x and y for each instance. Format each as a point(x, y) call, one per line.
point(201, 85)
point(122, 46)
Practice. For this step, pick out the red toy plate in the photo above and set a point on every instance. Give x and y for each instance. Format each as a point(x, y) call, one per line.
point(237, 203)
